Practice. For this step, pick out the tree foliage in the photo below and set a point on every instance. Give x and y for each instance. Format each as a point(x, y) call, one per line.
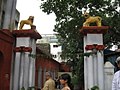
point(69, 20)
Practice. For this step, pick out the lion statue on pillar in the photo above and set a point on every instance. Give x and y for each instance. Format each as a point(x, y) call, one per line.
point(91, 19)
point(29, 21)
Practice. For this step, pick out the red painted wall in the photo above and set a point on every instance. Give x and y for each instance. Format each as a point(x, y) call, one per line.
point(6, 49)
point(64, 67)
point(48, 64)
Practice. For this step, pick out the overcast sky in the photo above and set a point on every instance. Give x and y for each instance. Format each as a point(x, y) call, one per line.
point(44, 23)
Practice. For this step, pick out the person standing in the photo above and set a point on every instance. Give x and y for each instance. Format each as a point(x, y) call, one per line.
point(65, 80)
point(116, 78)
point(50, 83)
point(56, 82)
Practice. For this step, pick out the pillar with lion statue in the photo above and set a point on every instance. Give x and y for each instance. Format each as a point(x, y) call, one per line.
point(25, 55)
point(93, 45)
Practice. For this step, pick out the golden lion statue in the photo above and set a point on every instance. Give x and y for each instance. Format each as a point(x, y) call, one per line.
point(29, 21)
point(91, 19)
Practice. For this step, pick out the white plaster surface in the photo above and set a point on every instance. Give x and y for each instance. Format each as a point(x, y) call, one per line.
point(94, 39)
point(93, 65)
point(16, 72)
point(24, 69)
point(23, 41)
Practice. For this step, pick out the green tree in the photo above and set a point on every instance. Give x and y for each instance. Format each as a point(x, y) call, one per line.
point(69, 20)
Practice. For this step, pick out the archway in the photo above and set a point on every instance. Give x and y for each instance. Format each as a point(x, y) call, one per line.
point(1, 62)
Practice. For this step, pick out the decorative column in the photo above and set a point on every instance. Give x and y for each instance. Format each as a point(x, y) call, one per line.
point(94, 64)
point(25, 52)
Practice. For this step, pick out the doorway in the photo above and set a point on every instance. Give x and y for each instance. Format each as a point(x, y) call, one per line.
point(1, 67)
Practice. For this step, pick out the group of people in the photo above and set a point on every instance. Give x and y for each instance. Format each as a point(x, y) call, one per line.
point(65, 81)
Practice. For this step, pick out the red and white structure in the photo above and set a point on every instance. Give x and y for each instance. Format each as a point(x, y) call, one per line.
point(94, 64)
point(24, 65)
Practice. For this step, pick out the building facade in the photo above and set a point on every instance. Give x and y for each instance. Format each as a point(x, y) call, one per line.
point(55, 49)
point(9, 16)
point(19, 65)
